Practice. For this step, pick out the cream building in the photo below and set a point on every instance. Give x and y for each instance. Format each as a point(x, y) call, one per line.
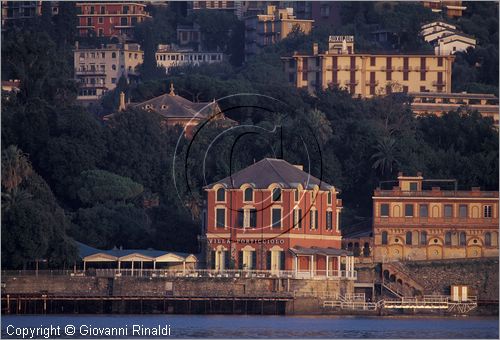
point(274, 25)
point(366, 75)
point(445, 38)
point(169, 56)
point(97, 70)
point(417, 220)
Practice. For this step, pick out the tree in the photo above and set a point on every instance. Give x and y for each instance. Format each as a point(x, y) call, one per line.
point(99, 186)
point(15, 167)
point(386, 157)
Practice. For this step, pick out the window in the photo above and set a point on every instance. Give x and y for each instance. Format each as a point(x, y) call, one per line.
point(384, 237)
point(123, 21)
point(408, 237)
point(253, 218)
point(276, 195)
point(487, 211)
point(413, 186)
point(314, 220)
point(113, 80)
point(384, 210)
point(248, 195)
point(220, 218)
point(296, 193)
point(89, 21)
point(372, 61)
point(423, 238)
point(276, 217)
point(113, 67)
point(221, 195)
point(297, 218)
point(329, 220)
point(447, 238)
point(101, 20)
point(448, 211)
point(408, 210)
point(462, 211)
point(424, 210)
point(329, 197)
point(463, 238)
point(487, 239)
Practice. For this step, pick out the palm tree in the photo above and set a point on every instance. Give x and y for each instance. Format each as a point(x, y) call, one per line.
point(386, 157)
point(15, 168)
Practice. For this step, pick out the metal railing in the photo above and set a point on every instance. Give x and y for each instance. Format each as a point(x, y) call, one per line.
point(194, 273)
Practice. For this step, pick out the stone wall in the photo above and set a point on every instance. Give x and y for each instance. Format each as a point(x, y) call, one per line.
point(481, 275)
point(145, 286)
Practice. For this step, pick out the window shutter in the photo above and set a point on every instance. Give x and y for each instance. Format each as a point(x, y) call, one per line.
point(240, 259)
point(254, 260)
point(268, 260)
point(282, 260)
point(300, 218)
point(253, 218)
point(240, 218)
point(212, 259)
point(316, 219)
point(227, 259)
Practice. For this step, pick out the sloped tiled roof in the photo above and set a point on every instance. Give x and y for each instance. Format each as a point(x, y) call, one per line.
point(85, 250)
point(171, 105)
point(271, 170)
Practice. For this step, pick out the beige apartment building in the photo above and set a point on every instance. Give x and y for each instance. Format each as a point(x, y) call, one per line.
point(274, 25)
point(366, 75)
point(169, 56)
point(97, 70)
point(420, 219)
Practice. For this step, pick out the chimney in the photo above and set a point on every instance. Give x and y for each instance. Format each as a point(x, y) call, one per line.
point(315, 48)
point(122, 101)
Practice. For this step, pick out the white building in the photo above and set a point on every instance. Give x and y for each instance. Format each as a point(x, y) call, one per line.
point(452, 43)
point(435, 30)
point(445, 38)
point(97, 70)
point(169, 56)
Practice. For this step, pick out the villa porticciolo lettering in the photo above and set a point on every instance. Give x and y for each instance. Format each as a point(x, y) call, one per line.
point(246, 241)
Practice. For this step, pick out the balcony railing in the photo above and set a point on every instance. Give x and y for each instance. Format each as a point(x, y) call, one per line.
point(201, 273)
point(435, 193)
point(433, 221)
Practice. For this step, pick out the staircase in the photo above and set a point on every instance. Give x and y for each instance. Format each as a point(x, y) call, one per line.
point(400, 272)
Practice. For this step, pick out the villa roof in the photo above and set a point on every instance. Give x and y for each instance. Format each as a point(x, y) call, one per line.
point(171, 105)
point(87, 251)
point(271, 170)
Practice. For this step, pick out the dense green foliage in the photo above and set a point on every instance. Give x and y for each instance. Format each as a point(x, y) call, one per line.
point(78, 178)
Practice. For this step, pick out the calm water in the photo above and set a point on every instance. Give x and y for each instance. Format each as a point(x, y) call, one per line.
point(223, 326)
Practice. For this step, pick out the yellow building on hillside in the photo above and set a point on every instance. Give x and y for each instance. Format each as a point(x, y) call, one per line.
point(366, 75)
point(418, 220)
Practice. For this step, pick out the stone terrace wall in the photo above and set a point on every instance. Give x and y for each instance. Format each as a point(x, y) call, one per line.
point(481, 275)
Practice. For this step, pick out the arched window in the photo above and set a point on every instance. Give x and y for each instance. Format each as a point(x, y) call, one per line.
point(221, 195)
point(276, 195)
point(408, 237)
point(447, 238)
point(463, 238)
point(248, 195)
point(487, 239)
point(423, 238)
point(113, 55)
point(384, 237)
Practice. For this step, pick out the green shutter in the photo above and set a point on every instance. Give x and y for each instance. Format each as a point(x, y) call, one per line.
point(240, 259)
point(282, 260)
point(212, 260)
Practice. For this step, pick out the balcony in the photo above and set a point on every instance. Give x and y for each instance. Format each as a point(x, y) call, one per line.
point(89, 72)
point(433, 221)
point(436, 193)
